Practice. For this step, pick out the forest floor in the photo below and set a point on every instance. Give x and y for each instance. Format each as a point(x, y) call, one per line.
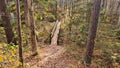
point(53, 57)
point(48, 57)
point(58, 57)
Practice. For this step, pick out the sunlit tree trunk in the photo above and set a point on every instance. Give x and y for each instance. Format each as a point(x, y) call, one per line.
point(108, 7)
point(19, 31)
point(6, 22)
point(92, 31)
point(111, 6)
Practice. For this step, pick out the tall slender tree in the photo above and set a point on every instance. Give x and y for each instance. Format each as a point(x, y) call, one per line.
point(27, 18)
point(56, 4)
point(6, 22)
point(19, 31)
point(92, 31)
point(32, 28)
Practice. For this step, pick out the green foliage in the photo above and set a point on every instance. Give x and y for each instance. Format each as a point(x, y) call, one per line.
point(44, 10)
point(0, 20)
point(117, 32)
point(50, 17)
point(8, 55)
point(77, 29)
point(109, 57)
point(73, 52)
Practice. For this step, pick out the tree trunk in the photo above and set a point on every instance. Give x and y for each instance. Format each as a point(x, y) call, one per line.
point(6, 22)
point(19, 31)
point(32, 29)
point(92, 31)
point(27, 18)
point(55, 10)
point(118, 10)
point(118, 22)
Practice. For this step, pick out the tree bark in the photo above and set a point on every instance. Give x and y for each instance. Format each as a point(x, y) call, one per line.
point(32, 29)
point(92, 31)
point(19, 31)
point(6, 22)
point(27, 14)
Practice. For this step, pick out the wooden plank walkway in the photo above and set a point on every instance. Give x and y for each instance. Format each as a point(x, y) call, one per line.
point(55, 33)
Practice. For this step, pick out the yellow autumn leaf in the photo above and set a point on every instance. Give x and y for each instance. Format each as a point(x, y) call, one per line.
point(12, 53)
point(1, 58)
point(12, 60)
point(20, 63)
point(114, 57)
point(4, 57)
